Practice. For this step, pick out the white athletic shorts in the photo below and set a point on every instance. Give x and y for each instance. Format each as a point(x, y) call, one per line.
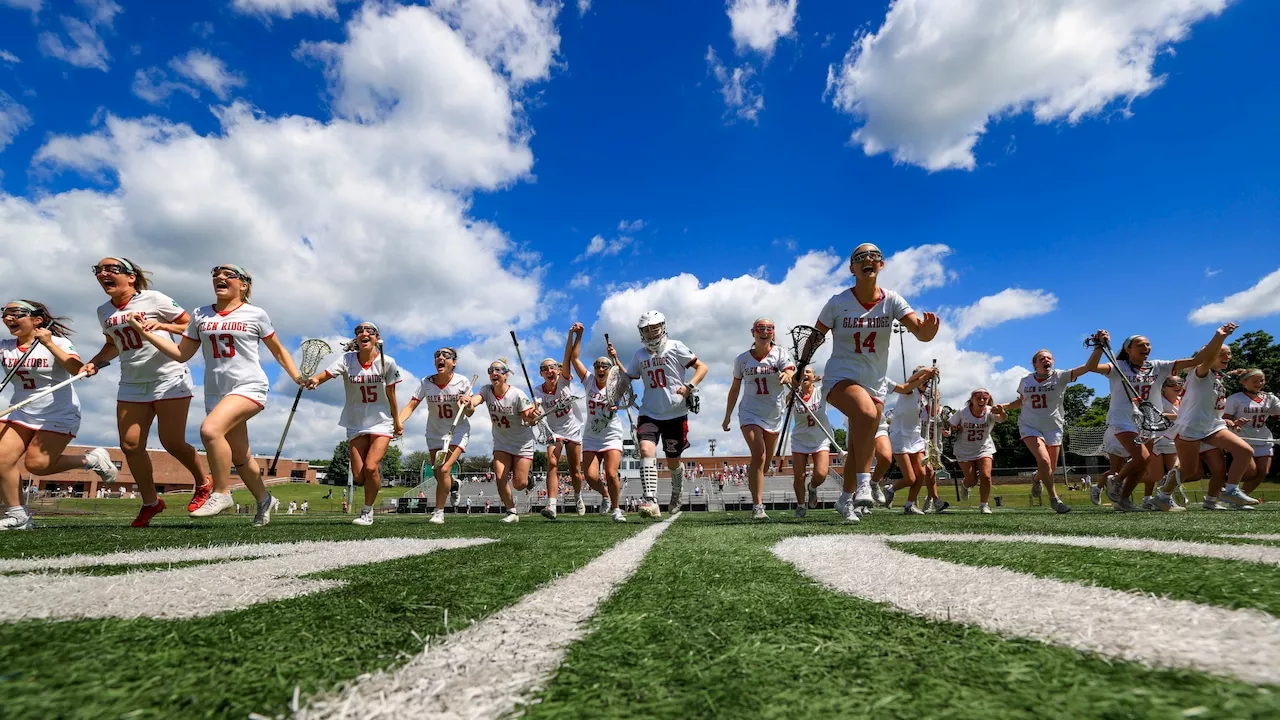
point(173, 387)
point(1201, 432)
point(525, 451)
point(1164, 445)
point(591, 443)
point(875, 388)
point(461, 435)
point(385, 429)
point(1261, 450)
point(257, 393)
point(1052, 438)
point(1112, 446)
point(769, 426)
point(63, 423)
point(962, 457)
point(883, 430)
point(907, 445)
point(824, 446)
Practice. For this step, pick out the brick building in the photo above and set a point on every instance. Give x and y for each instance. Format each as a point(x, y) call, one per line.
point(170, 475)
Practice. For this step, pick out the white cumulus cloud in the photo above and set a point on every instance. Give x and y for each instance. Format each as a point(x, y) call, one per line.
point(741, 91)
point(1008, 304)
point(14, 118)
point(154, 86)
point(84, 46)
point(9, 57)
point(204, 69)
point(1261, 300)
point(286, 8)
point(926, 84)
point(759, 24)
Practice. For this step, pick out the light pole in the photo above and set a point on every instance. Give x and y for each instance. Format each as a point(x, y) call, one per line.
point(712, 444)
point(899, 329)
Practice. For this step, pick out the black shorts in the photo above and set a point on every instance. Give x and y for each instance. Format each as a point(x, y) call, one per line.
point(674, 433)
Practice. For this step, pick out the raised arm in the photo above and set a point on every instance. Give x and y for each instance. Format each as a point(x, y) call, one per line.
point(182, 352)
point(924, 326)
point(1100, 338)
point(573, 353)
point(1203, 361)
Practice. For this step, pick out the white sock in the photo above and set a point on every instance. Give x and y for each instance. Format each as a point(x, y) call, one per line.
point(1230, 487)
point(17, 511)
point(844, 496)
point(649, 477)
point(864, 479)
point(554, 502)
point(367, 509)
point(982, 504)
point(757, 507)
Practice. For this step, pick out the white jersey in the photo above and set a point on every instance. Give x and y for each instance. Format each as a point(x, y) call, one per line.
point(806, 435)
point(1042, 401)
point(504, 414)
point(366, 405)
point(661, 374)
point(140, 361)
point(1255, 412)
point(1146, 381)
point(609, 438)
point(442, 404)
point(860, 339)
point(229, 342)
point(909, 415)
point(762, 388)
point(1163, 441)
point(974, 439)
point(39, 371)
point(565, 423)
point(1203, 403)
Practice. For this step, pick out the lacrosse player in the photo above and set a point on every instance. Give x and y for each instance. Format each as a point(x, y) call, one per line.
point(1146, 376)
point(512, 415)
point(152, 386)
point(1249, 410)
point(448, 421)
point(37, 357)
point(369, 379)
point(861, 322)
point(662, 367)
point(564, 418)
point(235, 386)
point(975, 448)
point(1163, 475)
point(1200, 421)
point(1040, 424)
point(907, 442)
point(882, 461)
point(602, 434)
point(766, 369)
point(809, 442)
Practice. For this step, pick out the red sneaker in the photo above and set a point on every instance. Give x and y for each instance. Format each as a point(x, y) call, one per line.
point(201, 494)
point(147, 512)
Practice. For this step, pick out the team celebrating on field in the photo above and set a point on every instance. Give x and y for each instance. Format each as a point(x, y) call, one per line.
point(1191, 426)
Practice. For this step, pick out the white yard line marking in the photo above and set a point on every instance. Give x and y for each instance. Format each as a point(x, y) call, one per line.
point(1256, 536)
point(1243, 644)
point(200, 590)
point(499, 663)
point(1262, 554)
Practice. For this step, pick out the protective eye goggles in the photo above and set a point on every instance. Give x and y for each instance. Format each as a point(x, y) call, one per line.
point(111, 269)
point(447, 354)
point(15, 313)
point(602, 365)
point(230, 272)
point(763, 328)
point(545, 368)
point(498, 370)
point(366, 329)
point(868, 256)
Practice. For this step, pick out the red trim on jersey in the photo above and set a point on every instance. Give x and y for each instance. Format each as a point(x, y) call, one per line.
point(151, 402)
point(224, 313)
point(246, 397)
point(25, 426)
point(126, 302)
point(865, 306)
point(273, 334)
point(752, 351)
point(362, 365)
point(180, 318)
point(690, 364)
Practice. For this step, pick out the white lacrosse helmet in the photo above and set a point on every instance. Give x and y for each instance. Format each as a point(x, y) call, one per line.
point(653, 330)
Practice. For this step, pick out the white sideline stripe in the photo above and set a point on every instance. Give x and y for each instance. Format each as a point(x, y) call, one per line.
point(201, 590)
point(164, 555)
point(1256, 536)
point(499, 663)
point(1261, 554)
point(1243, 644)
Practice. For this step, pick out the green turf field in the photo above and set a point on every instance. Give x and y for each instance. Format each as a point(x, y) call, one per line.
point(712, 624)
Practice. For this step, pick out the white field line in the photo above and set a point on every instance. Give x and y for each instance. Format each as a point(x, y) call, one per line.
point(1261, 554)
point(200, 590)
point(164, 555)
point(1153, 631)
point(499, 663)
point(1256, 536)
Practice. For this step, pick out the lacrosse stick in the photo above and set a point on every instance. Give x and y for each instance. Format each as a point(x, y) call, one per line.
point(1152, 420)
point(805, 341)
point(382, 372)
point(313, 351)
point(457, 418)
point(621, 395)
point(542, 433)
point(48, 391)
point(14, 370)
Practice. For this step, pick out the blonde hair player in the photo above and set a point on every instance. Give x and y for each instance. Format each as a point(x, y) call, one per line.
point(39, 356)
point(861, 322)
point(662, 366)
point(1040, 424)
point(1123, 438)
point(1248, 411)
point(227, 333)
point(1162, 473)
point(766, 369)
point(1200, 423)
point(369, 383)
point(907, 444)
point(601, 440)
point(975, 448)
point(809, 442)
point(448, 396)
point(512, 416)
point(565, 422)
point(152, 386)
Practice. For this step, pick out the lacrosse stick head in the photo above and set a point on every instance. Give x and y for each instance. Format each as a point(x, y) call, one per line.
point(692, 400)
point(1152, 420)
point(313, 351)
point(805, 341)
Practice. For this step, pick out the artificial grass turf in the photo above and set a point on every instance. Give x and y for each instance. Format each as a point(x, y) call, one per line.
point(250, 660)
point(714, 625)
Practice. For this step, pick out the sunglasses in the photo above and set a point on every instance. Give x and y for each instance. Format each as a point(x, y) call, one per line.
point(545, 368)
point(445, 354)
point(366, 329)
point(871, 255)
point(111, 269)
point(225, 274)
point(496, 370)
point(602, 366)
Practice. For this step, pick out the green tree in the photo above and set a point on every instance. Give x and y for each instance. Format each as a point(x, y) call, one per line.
point(390, 466)
point(539, 461)
point(414, 461)
point(472, 464)
point(841, 438)
point(1257, 349)
point(1075, 403)
point(1012, 453)
point(340, 465)
point(1096, 415)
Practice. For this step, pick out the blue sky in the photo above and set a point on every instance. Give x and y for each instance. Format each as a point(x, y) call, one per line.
point(1094, 165)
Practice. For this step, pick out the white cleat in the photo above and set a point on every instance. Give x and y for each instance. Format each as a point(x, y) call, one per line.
point(649, 509)
point(1237, 497)
point(263, 508)
point(1213, 504)
point(216, 503)
point(985, 509)
point(12, 522)
point(801, 511)
point(846, 511)
point(1166, 504)
point(912, 509)
point(99, 461)
point(877, 495)
point(758, 513)
point(888, 495)
point(618, 515)
point(437, 518)
point(1095, 494)
point(511, 518)
point(580, 507)
point(549, 512)
point(365, 519)
point(811, 501)
point(862, 496)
